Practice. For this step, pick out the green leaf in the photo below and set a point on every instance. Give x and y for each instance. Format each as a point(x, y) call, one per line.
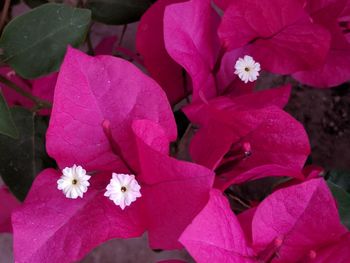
point(34, 44)
point(117, 12)
point(7, 126)
point(343, 201)
point(23, 158)
point(341, 178)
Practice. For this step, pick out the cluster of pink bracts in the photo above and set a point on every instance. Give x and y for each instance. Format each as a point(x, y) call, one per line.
point(188, 48)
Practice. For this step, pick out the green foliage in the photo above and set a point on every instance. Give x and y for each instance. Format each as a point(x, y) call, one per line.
point(23, 158)
point(340, 178)
point(34, 44)
point(7, 126)
point(117, 12)
point(343, 201)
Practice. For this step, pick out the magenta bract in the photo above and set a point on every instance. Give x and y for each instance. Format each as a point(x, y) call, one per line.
point(44, 88)
point(215, 234)
point(303, 217)
point(282, 41)
point(150, 44)
point(331, 15)
point(169, 185)
point(337, 252)
point(61, 229)
point(190, 36)
point(102, 129)
point(191, 39)
point(237, 136)
point(295, 224)
point(63, 225)
point(7, 205)
point(90, 90)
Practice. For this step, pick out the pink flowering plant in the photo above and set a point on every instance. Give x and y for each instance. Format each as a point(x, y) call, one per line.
point(183, 128)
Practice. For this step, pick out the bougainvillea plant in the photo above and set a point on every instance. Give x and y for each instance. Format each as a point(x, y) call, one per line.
point(172, 126)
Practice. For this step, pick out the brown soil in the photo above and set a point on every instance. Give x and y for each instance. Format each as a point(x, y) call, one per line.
point(325, 115)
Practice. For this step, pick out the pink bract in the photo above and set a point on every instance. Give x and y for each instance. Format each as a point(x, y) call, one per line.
point(227, 82)
point(338, 252)
point(190, 36)
point(7, 205)
point(215, 234)
point(150, 44)
point(294, 224)
point(302, 218)
point(97, 124)
point(66, 229)
point(223, 4)
point(191, 39)
point(278, 34)
point(251, 125)
point(255, 100)
point(307, 173)
point(336, 69)
point(171, 185)
point(245, 220)
point(90, 90)
point(44, 88)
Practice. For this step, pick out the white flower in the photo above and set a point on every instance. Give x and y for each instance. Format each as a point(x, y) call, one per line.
point(74, 182)
point(247, 69)
point(123, 189)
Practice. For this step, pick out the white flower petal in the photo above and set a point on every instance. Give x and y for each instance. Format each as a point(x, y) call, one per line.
point(73, 182)
point(247, 69)
point(123, 189)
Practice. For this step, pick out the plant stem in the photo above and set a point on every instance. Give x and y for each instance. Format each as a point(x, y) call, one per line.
point(184, 83)
point(41, 104)
point(122, 35)
point(239, 201)
point(231, 194)
point(4, 13)
point(90, 46)
point(181, 143)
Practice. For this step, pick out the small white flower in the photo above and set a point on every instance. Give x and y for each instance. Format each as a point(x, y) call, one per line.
point(247, 69)
point(74, 182)
point(123, 189)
